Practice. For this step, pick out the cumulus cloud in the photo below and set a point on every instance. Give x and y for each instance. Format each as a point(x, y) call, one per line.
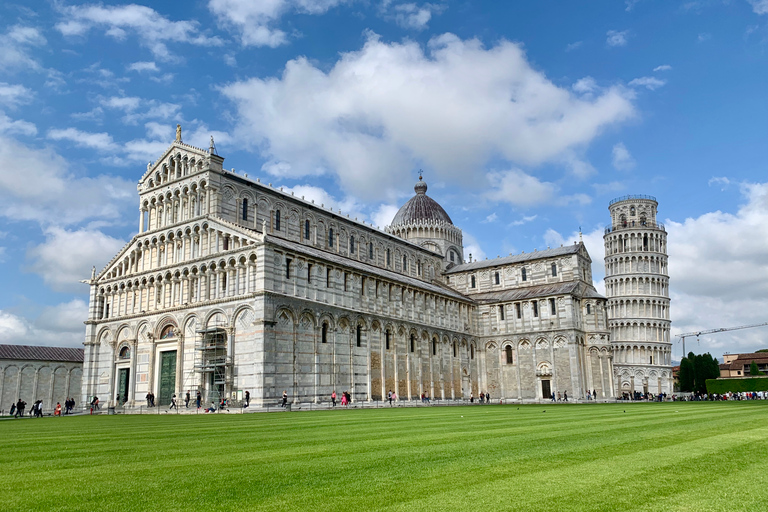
point(137, 109)
point(621, 159)
point(67, 256)
point(15, 48)
point(384, 214)
point(573, 46)
point(472, 248)
point(36, 184)
point(150, 28)
point(60, 326)
point(663, 67)
point(410, 15)
point(388, 108)
point(12, 95)
point(519, 189)
point(16, 127)
point(615, 38)
point(649, 82)
point(256, 21)
point(143, 66)
point(759, 6)
point(347, 206)
point(98, 141)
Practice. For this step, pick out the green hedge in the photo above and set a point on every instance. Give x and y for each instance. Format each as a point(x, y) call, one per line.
point(721, 386)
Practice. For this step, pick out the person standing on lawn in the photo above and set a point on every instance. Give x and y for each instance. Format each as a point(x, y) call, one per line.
point(187, 398)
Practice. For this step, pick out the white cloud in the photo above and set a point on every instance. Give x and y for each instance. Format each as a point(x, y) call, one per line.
point(35, 184)
point(472, 248)
point(491, 218)
point(616, 38)
point(663, 67)
point(67, 256)
point(573, 46)
point(16, 127)
point(389, 108)
point(137, 109)
point(15, 48)
point(722, 181)
point(520, 189)
point(12, 95)
point(97, 141)
point(143, 66)
point(526, 219)
point(719, 272)
point(410, 15)
point(59, 326)
point(384, 215)
point(151, 29)
point(347, 206)
point(621, 159)
point(759, 6)
point(704, 36)
point(255, 21)
point(585, 85)
point(649, 82)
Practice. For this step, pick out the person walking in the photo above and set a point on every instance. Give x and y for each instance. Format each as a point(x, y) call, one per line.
point(173, 403)
point(389, 397)
point(552, 396)
point(187, 398)
point(333, 398)
point(471, 398)
point(247, 398)
point(57, 410)
point(565, 395)
point(199, 399)
point(285, 398)
point(343, 399)
point(20, 405)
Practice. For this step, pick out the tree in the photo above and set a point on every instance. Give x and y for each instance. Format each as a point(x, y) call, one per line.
point(754, 370)
point(686, 374)
point(762, 350)
point(695, 370)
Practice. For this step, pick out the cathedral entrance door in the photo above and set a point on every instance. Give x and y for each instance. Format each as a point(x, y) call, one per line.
point(167, 377)
point(546, 392)
point(122, 385)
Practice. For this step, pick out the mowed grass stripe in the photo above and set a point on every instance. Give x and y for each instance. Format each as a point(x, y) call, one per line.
point(590, 457)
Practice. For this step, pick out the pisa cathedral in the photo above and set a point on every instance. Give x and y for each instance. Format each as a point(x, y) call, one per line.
point(232, 285)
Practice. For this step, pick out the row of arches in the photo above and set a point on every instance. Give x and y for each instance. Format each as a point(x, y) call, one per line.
point(174, 206)
point(632, 353)
point(175, 167)
point(433, 230)
point(657, 332)
point(620, 286)
point(35, 381)
point(212, 280)
point(617, 265)
point(652, 241)
point(638, 308)
point(175, 247)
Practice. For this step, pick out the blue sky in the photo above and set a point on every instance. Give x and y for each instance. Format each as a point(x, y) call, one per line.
point(527, 118)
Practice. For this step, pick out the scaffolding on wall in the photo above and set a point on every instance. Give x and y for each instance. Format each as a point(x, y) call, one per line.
point(213, 364)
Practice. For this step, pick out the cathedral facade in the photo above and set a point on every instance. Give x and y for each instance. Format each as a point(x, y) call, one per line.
point(232, 285)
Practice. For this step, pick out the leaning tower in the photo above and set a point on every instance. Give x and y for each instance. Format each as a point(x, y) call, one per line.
point(637, 288)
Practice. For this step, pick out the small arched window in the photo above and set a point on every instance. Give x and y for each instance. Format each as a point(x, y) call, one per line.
point(389, 257)
point(509, 355)
point(167, 332)
point(351, 245)
point(589, 309)
point(496, 278)
point(434, 347)
point(370, 250)
point(554, 270)
point(471, 351)
point(632, 211)
point(324, 334)
point(472, 281)
point(277, 220)
point(413, 342)
point(452, 256)
point(386, 339)
point(245, 209)
point(330, 237)
point(306, 229)
point(454, 349)
point(524, 274)
point(359, 335)
point(125, 353)
point(405, 263)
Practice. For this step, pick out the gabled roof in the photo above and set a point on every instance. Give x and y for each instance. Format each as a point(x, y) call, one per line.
point(36, 353)
point(202, 153)
point(364, 267)
point(531, 292)
point(518, 258)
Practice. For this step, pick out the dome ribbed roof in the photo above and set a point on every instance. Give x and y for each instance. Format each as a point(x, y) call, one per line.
point(421, 208)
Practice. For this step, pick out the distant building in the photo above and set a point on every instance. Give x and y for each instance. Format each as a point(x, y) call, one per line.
point(50, 374)
point(737, 365)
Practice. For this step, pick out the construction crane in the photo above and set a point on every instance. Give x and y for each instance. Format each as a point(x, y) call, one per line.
point(721, 329)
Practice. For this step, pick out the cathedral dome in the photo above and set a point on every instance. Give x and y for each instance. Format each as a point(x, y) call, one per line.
point(421, 208)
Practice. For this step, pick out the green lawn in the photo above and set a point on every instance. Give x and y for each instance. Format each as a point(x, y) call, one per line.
point(674, 456)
